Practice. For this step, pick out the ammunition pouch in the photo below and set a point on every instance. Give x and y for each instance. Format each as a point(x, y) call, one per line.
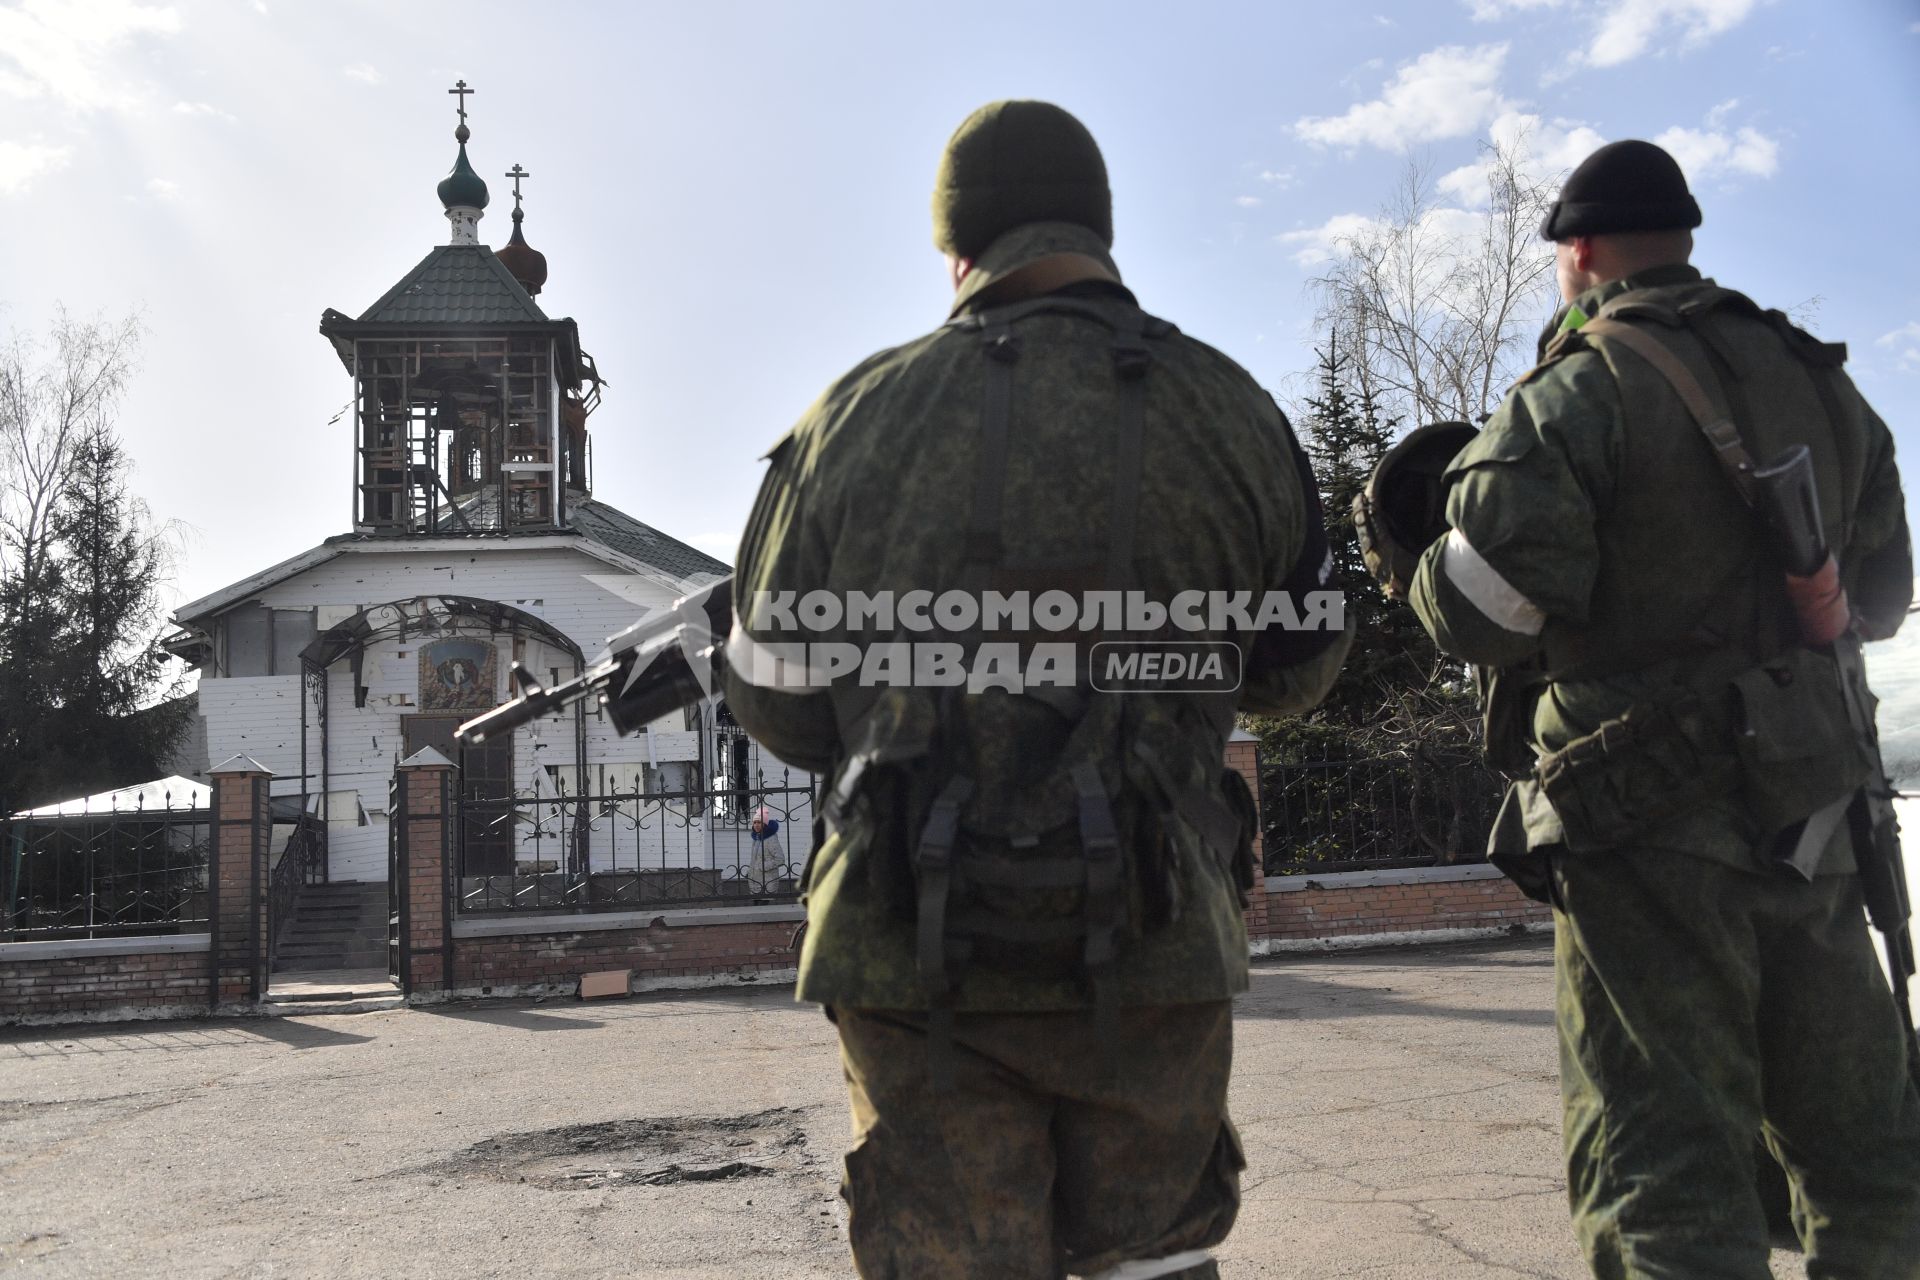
point(1507, 698)
point(1782, 746)
point(1633, 773)
point(1797, 747)
point(1243, 869)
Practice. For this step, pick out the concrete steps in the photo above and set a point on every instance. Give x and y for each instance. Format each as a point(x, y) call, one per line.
point(337, 928)
point(364, 990)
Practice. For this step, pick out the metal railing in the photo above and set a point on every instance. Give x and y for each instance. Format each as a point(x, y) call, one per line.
point(305, 848)
point(1347, 815)
point(744, 839)
point(105, 873)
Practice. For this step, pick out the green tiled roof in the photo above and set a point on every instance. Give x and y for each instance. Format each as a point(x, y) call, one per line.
point(614, 528)
point(457, 284)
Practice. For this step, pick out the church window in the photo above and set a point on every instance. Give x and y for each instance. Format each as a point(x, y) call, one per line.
point(266, 642)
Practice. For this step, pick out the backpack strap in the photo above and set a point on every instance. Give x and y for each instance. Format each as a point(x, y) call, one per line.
point(1105, 903)
point(984, 548)
point(933, 864)
point(1131, 359)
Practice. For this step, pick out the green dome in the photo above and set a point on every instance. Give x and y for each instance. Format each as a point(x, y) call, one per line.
point(463, 186)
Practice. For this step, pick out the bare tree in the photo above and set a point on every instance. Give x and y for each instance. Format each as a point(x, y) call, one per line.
point(1436, 305)
point(50, 403)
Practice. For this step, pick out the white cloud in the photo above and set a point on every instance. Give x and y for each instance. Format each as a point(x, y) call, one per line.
point(1281, 178)
point(22, 162)
point(1552, 148)
point(1718, 116)
point(202, 109)
point(1904, 343)
point(1447, 92)
point(163, 189)
point(1711, 152)
point(1494, 10)
point(1248, 202)
point(1628, 28)
point(1447, 237)
point(61, 49)
point(365, 72)
point(1316, 245)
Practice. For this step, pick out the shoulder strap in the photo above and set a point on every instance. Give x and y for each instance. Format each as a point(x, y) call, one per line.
point(1728, 447)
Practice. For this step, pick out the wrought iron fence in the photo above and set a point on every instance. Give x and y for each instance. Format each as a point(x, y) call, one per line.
point(742, 838)
point(105, 873)
point(1345, 815)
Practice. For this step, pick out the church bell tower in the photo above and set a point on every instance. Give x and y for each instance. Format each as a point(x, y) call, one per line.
point(470, 404)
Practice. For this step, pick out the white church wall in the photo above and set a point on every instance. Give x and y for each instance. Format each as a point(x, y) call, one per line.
point(364, 746)
point(551, 583)
point(257, 716)
point(578, 594)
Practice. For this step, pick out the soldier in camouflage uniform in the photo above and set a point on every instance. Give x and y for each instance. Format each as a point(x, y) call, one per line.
point(1025, 916)
point(1668, 728)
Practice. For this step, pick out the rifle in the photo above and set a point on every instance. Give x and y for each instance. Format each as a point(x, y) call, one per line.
point(655, 667)
point(1787, 498)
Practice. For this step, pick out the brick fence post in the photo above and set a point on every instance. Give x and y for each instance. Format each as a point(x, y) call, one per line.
point(237, 881)
point(425, 871)
point(1243, 753)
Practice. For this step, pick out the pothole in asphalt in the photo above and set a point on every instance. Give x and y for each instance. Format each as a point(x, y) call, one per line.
point(643, 1153)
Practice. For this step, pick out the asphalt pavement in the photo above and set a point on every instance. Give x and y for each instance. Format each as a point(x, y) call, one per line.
point(1399, 1110)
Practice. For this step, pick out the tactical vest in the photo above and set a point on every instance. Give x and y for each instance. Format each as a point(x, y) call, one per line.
point(1686, 579)
point(1030, 831)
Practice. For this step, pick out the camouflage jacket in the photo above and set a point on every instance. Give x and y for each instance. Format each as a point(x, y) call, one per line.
point(1595, 536)
point(872, 490)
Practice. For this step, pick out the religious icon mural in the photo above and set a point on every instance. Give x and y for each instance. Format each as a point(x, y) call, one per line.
point(459, 674)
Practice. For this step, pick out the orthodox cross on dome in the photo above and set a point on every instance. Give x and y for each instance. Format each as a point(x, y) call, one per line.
point(462, 194)
point(526, 263)
point(461, 91)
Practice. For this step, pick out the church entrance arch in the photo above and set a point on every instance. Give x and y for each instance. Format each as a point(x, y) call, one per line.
point(458, 642)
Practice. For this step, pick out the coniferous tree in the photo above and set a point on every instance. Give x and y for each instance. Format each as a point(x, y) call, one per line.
point(111, 672)
point(82, 685)
point(1345, 437)
point(1399, 727)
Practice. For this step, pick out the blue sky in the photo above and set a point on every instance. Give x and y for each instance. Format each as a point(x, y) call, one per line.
point(733, 197)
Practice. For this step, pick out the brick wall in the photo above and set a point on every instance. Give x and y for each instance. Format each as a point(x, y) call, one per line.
point(675, 948)
point(72, 981)
point(428, 790)
point(242, 826)
point(1374, 905)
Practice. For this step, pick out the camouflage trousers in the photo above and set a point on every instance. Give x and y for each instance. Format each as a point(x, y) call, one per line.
point(1055, 1151)
point(1699, 1005)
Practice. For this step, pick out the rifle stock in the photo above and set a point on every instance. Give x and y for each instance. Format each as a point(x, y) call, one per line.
point(655, 667)
point(1790, 503)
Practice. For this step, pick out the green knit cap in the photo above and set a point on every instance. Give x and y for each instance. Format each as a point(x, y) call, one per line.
point(1015, 162)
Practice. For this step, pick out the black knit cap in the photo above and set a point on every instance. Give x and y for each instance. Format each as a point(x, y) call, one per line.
point(1624, 186)
point(1015, 162)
